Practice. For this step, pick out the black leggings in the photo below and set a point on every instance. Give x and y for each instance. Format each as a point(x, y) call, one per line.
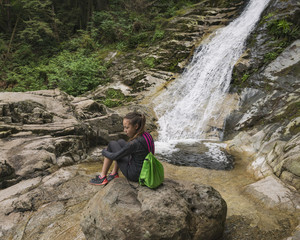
point(125, 164)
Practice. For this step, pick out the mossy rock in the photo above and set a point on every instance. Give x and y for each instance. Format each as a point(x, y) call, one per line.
point(114, 98)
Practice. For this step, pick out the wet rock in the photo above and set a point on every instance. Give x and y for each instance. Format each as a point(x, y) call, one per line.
point(172, 211)
point(289, 57)
point(263, 47)
point(209, 155)
point(271, 119)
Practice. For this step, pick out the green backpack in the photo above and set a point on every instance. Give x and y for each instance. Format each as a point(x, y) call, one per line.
point(152, 173)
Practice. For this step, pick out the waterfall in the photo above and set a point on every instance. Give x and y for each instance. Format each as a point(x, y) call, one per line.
point(192, 104)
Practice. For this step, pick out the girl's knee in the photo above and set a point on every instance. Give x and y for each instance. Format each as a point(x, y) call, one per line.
point(121, 142)
point(113, 142)
point(114, 146)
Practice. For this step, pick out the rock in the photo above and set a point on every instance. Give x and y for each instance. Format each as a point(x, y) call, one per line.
point(124, 210)
point(5, 170)
point(271, 153)
point(19, 188)
point(86, 108)
point(46, 207)
point(273, 194)
point(288, 58)
point(43, 130)
point(272, 120)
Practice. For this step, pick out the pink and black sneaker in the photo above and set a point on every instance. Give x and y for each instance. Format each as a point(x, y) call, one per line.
point(99, 180)
point(112, 176)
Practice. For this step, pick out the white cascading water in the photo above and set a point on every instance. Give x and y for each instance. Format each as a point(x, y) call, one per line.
point(191, 105)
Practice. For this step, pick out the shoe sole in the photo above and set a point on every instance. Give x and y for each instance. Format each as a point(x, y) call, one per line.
point(98, 184)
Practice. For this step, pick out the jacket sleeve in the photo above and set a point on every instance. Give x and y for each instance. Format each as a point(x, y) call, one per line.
point(129, 148)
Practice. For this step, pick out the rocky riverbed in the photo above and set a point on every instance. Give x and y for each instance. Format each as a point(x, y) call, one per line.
point(51, 207)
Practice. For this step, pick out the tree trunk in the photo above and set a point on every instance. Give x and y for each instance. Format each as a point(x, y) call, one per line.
point(56, 35)
point(12, 37)
point(8, 15)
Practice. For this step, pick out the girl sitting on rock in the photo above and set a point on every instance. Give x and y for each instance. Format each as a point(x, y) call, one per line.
point(128, 156)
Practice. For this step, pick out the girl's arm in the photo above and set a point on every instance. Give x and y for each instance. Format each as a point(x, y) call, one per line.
point(129, 148)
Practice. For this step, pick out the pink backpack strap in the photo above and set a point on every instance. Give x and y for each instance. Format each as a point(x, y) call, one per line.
point(149, 141)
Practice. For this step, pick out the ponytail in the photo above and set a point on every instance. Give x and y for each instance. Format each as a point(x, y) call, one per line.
point(139, 119)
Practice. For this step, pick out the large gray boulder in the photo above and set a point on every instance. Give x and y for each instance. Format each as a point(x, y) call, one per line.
point(47, 207)
point(125, 210)
point(44, 130)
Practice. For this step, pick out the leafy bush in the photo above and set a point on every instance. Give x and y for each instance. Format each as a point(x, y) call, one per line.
point(158, 35)
point(281, 28)
point(110, 27)
point(56, 43)
point(245, 77)
point(115, 98)
point(137, 39)
point(3, 47)
point(73, 73)
point(26, 78)
point(270, 56)
point(150, 62)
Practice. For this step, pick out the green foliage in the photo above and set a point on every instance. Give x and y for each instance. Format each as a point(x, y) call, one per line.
point(84, 41)
point(61, 43)
point(278, 47)
point(127, 29)
point(270, 15)
point(245, 77)
point(150, 62)
point(73, 73)
point(158, 35)
point(38, 24)
point(25, 78)
point(114, 94)
point(121, 46)
point(281, 28)
point(115, 98)
point(3, 47)
point(270, 56)
point(137, 39)
point(239, 80)
point(35, 31)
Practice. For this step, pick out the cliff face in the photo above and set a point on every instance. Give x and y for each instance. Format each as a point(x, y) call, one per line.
point(268, 79)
